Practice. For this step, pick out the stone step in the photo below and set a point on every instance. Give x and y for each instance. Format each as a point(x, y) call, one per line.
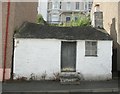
point(69, 78)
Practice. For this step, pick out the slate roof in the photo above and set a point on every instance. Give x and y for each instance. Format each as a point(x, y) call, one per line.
point(32, 30)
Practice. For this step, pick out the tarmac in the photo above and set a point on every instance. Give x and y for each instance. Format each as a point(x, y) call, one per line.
point(55, 87)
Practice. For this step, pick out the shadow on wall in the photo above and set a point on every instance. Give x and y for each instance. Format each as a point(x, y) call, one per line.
point(118, 59)
point(113, 34)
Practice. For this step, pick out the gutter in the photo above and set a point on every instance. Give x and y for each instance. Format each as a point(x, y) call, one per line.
point(6, 38)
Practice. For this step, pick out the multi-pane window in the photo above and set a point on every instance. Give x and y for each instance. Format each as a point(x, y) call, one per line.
point(55, 18)
point(77, 6)
point(50, 5)
point(85, 6)
point(90, 48)
point(90, 5)
point(55, 6)
point(68, 5)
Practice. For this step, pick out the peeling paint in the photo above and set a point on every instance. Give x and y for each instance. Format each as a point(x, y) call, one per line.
point(39, 59)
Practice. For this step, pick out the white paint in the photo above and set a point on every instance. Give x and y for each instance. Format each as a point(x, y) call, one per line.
point(42, 55)
point(42, 8)
point(95, 68)
point(36, 56)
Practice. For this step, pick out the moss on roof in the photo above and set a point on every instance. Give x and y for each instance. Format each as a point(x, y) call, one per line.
point(32, 30)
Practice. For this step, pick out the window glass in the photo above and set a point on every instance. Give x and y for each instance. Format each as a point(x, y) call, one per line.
point(67, 19)
point(55, 6)
point(77, 5)
point(91, 48)
point(90, 5)
point(68, 5)
point(60, 5)
point(85, 5)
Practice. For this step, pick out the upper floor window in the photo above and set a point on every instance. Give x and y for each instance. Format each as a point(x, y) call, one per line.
point(86, 6)
point(90, 48)
point(68, 5)
point(55, 5)
point(67, 18)
point(77, 5)
point(49, 5)
point(89, 5)
point(60, 5)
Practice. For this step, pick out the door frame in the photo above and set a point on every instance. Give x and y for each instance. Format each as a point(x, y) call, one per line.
point(75, 55)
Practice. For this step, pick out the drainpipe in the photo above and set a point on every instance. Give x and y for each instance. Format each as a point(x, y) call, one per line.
point(6, 38)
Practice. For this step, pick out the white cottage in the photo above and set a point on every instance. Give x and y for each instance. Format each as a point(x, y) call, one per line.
point(44, 51)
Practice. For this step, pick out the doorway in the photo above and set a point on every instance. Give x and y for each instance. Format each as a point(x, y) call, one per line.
point(68, 56)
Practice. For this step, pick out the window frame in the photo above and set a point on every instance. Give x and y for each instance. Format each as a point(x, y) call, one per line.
point(91, 48)
point(55, 5)
point(77, 5)
point(68, 17)
point(60, 5)
point(68, 5)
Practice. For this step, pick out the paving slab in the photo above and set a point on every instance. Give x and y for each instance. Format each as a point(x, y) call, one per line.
point(54, 87)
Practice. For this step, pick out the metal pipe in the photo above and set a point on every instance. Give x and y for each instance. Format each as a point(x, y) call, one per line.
point(6, 38)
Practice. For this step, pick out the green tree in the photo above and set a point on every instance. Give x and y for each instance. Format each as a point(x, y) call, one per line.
point(81, 21)
point(40, 20)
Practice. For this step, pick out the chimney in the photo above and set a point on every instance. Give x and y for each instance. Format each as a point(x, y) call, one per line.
point(97, 7)
point(98, 17)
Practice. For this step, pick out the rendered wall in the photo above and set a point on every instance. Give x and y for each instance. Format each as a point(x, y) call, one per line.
point(95, 68)
point(36, 56)
point(40, 56)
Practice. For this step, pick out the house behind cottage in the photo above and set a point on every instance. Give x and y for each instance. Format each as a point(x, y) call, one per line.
point(62, 11)
point(42, 50)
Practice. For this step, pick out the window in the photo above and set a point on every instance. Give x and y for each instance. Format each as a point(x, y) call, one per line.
point(60, 5)
point(55, 18)
point(90, 48)
point(68, 5)
point(49, 5)
point(77, 5)
point(76, 18)
point(90, 5)
point(67, 19)
point(55, 6)
point(85, 6)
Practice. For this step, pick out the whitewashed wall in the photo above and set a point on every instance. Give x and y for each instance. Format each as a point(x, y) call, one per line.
point(95, 68)
point(39, 56)
point(36, 56)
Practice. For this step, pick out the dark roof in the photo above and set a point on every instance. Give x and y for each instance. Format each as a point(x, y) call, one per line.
point(32, 30)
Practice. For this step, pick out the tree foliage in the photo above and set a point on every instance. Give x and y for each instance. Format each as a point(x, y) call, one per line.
point(81, 21)
point(40, 20)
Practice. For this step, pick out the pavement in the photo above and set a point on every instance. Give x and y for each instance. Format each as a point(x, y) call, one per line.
point(0, 87)
point(110, 86)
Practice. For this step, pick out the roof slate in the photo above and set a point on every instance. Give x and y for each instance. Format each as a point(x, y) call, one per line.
point(33, 30)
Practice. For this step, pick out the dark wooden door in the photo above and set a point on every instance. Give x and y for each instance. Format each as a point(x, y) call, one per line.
point(68, 56)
